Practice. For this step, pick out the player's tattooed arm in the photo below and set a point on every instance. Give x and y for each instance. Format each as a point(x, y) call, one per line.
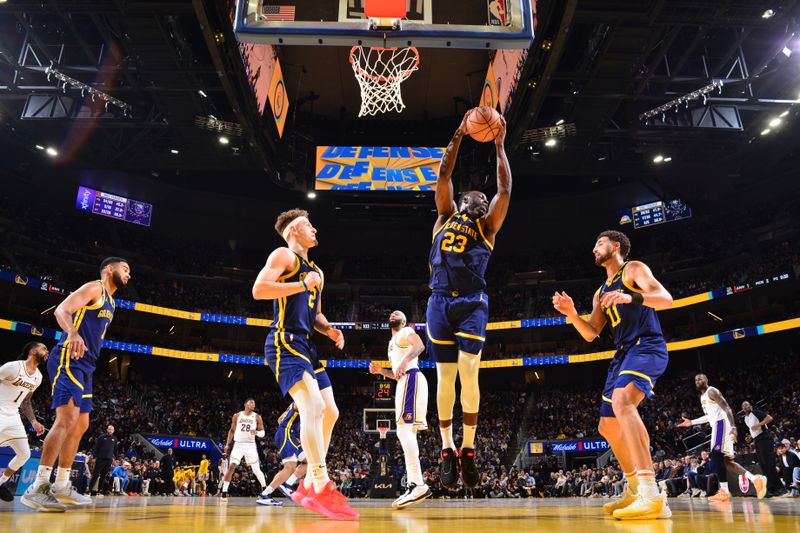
point(716, 396)
point(498, 208)
point(375, 368)
point(27, 409)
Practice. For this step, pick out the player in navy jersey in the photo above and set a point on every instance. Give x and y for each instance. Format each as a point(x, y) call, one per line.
point(295, 285)
point(628, 301)
point(458, 309)
point(293, 459)
point(84, 317)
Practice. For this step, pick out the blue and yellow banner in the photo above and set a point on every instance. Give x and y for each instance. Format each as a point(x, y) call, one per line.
point(377, 168)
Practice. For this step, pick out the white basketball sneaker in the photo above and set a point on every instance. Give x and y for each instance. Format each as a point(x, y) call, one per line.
point(414, 495)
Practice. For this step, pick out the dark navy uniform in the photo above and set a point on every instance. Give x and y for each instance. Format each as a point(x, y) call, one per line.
point(641, 354)
point(458, 309)
point(289, 350)
point(287, 436)
point(72, 378)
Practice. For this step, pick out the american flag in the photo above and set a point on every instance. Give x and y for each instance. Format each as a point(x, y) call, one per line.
point(276, 13)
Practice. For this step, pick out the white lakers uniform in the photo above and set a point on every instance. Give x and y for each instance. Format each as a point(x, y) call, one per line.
point(244, 443)
point(15, 385)
point(721, 440)
point(411, 396)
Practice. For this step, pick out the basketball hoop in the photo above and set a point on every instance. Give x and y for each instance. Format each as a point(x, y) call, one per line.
point(383, 432)
point(379, 72)
point(383, 428)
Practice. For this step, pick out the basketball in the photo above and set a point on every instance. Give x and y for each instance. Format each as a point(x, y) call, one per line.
point(483, 124)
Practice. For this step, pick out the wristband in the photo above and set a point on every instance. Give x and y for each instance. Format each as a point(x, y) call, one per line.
point(637, 298)
point(303, 283)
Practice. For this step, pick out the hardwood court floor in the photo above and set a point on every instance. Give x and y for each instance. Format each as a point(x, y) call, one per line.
point(241, 515)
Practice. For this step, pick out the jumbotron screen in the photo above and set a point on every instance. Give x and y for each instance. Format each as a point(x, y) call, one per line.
point(113, 206)
point(377, 168)
point(654, 213)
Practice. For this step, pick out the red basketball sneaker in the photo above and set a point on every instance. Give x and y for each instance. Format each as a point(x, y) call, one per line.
point(329, 502)
point(301, 492)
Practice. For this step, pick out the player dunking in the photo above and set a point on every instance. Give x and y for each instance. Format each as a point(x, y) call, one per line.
point(245, 427)
point(458, 309)
point(628, 300)
point(84, 317)
point(295, 285)
point(18, 380)
point(719, 415)
point(292, 456)
point(410, 403)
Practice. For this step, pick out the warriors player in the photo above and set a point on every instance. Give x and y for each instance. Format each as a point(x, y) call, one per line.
point(723, 436)
point(410, 403)
point(245, 427)
point(458, 308)
point(295, 285)
point(18, 380)
point(84, 317)
point(293, 458)
point(628, 300)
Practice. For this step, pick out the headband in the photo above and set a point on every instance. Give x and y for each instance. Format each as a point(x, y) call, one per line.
point(290, 225)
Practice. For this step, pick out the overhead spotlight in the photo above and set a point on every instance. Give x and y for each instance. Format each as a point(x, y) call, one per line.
point(775, 122)
point(311, 195)
point(667, 159)
point(202, 93)
point(560, 122)
point(768, 14)
point(787, 51)
point(39, 147)
point(766, 131)
point(174, 151)
point(224, 140)
point(550, 142)
point(784, 114)
point(112, 359)
point(601, 158)
point(230, 374)
point(52, 152)
point(658, 159)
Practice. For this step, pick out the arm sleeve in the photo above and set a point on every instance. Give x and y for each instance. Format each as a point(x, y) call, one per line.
point(702, 420)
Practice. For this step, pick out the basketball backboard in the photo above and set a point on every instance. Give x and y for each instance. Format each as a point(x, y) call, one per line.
point(372, 416)
point(487, 24)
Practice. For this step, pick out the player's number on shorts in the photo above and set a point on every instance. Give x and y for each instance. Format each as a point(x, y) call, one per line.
point(453, 243)
point(18, 397)
point(613, 316)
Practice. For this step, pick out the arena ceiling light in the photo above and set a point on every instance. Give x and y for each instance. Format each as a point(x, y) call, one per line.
point(784, 114)
point(39, 147)
point(52, 152)
point(174, 151)
point(560, 122)
point(550, 142)
point(311, 195)
point(766, 131)
point(768, 14)
point(202, 93)
point(775, 122)
point(658, 159)
point(223, 140)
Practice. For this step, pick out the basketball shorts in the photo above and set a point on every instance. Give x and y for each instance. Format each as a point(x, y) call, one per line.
point(247, 450)
point(721, 440)
point(289, 356)
point(202, 477)
point(411, 400)
point(11, 429)
point(642, 363)
point(70, 378)
point(288, 445)
point(456, 324)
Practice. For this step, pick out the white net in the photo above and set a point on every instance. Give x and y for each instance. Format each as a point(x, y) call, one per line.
point(379, 72)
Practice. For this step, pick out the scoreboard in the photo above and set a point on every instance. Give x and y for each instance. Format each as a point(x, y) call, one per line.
point(113, 206)
point(382, 392)
point(654, 213)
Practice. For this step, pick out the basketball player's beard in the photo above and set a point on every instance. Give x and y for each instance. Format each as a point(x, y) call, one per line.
point(395, 323)
point(40, 359)
point(601, 260)
point(119, 283)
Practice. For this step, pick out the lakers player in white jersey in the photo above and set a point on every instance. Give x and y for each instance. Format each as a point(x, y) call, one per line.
point(410, 403)
point(245, 427)
point(723, 436)
point(18, 380)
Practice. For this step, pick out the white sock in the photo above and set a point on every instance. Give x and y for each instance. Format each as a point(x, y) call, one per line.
point(225, 486)
point(42, 476)
point(62, 476)
point(723, 485)
point(469, 436)
point(647, 484)
point(3, 479)
point(308, 482)
point(269, 490)
point(319, 474)
point(291, 481)
point(408, 440)
point(749, 475)
point(447, 437)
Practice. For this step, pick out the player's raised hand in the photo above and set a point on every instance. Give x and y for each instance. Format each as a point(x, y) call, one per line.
point(500, 138)
point(611, 299)
point(684, 423)
point(76, 345)
point(337, 337)
point(375, 368)
point(312, 280)
point(563, 303)
point(462, 128)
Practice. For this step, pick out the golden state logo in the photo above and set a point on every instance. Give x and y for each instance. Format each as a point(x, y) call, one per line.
point(377, 168)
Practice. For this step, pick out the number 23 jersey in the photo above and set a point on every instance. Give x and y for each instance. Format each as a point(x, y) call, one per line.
point(459, 256)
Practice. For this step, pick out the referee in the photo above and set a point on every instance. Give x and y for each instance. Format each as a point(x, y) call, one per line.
point(756, 421)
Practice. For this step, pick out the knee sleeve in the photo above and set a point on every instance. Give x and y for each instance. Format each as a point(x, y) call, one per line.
point(22, 453)
point(468, 368)
point(446, 389)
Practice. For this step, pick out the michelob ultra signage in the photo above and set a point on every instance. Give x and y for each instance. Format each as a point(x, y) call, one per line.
point(377, 168)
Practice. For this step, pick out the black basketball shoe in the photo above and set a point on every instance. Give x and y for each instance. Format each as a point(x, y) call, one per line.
point(469, 472)
point(5, 493)
point(449, 468)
